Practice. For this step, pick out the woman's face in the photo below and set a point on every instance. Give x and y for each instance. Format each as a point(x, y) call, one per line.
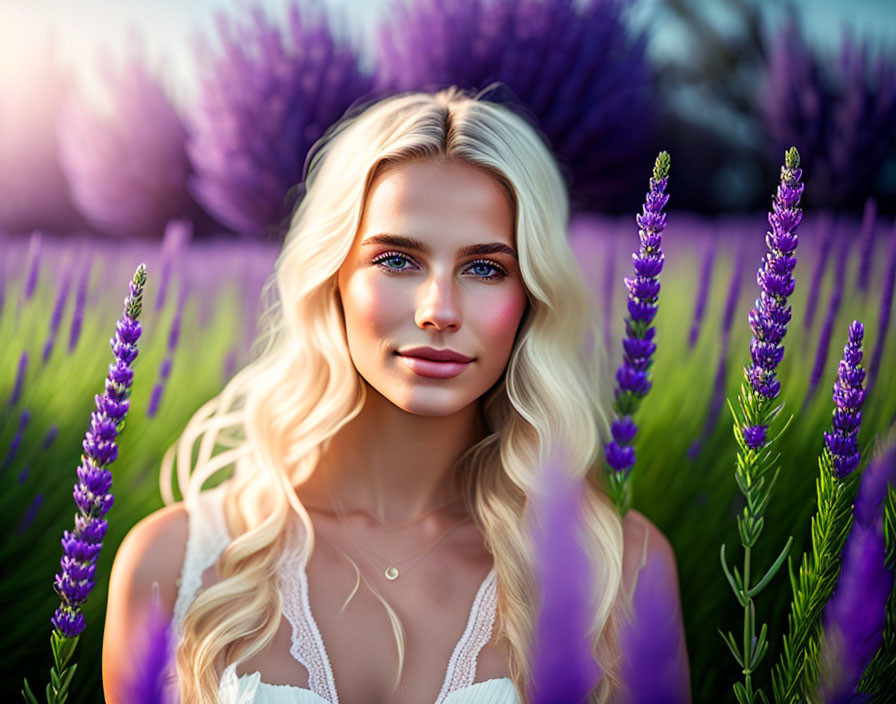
point(433, 266)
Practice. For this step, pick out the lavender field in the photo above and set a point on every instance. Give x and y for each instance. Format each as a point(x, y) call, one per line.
point(200, 192)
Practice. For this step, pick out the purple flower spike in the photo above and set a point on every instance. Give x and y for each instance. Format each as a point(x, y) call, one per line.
point(58, 307)
point(653, 641)
point(842, 441)
point(154, 659)
point(80, 301)
point(754, 436)
point(856, 614)
point(633, 377)
point(91, 494)
point(769, 318)
point(563, 669)
point(869, 217)
point(20, 379)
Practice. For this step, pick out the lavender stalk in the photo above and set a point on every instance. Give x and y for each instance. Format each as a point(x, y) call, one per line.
point(820, 568)
point(768, 321)
point(563, 668)
point(855, 617)
point(869, 217)
point(633, 377)
point(82, 546)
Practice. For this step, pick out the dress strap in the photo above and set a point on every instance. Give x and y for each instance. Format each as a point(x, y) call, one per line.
point(462, 666)
point(307, 643)
point(207, 537)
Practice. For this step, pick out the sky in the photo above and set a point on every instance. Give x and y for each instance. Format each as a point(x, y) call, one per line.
point(85, 34)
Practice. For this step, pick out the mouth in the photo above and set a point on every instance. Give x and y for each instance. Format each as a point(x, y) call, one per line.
point(434, 368)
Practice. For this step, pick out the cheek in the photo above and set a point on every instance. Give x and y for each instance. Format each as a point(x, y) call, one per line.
point(502, 318)
point(369, 308)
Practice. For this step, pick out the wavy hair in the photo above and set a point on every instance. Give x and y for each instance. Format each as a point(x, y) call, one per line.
point(277, 414)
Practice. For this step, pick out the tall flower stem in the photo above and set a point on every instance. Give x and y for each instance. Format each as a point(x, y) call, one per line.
point(756, 411)
point(633, 377)
point(92, 496)
point(820, 568)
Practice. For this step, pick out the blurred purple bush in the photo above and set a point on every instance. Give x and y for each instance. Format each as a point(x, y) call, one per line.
point(127, 165)
point(839, 111)
point(575, 67)
point(33, 189)
point(268, 93)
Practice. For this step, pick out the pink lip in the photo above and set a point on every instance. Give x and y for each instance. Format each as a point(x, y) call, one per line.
point(433, 369)
point(435, 355)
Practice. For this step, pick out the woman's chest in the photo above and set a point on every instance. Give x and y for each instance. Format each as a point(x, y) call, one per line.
point(357, 631)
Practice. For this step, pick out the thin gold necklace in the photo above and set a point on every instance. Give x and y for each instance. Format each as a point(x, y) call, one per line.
point(391, 572)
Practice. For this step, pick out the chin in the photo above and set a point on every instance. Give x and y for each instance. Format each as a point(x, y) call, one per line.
point(432, 402)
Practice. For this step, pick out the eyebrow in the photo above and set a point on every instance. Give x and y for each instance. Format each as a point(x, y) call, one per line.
point(413, 243)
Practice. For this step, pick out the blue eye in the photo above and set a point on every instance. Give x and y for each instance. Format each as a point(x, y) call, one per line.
point(394, 258)
point(498, 271)
point(482, 269)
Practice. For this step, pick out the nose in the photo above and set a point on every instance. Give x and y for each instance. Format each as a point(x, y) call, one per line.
point(438, 307)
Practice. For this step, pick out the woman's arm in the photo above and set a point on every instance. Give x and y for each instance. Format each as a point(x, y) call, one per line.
point(153, 551)
point(657, 641)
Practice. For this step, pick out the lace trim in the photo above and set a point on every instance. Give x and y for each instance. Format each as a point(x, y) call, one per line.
point(462, 666)
point(307, 643)
point(206, 539)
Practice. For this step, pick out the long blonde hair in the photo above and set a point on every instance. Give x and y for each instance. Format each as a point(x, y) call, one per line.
point(275, 416)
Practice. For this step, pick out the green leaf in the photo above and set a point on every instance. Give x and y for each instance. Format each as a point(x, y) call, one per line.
point(732, 646)
point(27, 694)
point(772, 570)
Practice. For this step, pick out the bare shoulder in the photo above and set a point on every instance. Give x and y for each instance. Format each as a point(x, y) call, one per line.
point(642, 540)
point(152, 552)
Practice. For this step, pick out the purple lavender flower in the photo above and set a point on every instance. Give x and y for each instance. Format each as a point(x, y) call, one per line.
point(264, 101)
point(30, 514)
point(824, 338)
point(80, 301)
point(856, 613)
point(178, 234)
point(82, 545)
point(563, 668)
point(576, 68)
point(13, 449)
point(153, 657)
point(33, 265)
point(632, 378)
point(50, 436)
point(869, 217)
point(771, 314)
point(843, 440)
point(703, 290)
point(58, 307)
point(654, 642)
point(886, 305)
point(128, 167)
point(21, 371)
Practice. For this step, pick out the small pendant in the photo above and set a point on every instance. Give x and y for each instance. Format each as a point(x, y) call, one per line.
point(391, 573)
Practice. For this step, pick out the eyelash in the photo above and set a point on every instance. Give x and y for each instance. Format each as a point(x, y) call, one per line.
point(501, 272)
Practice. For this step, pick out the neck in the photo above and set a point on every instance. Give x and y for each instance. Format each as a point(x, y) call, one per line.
point(392, 464)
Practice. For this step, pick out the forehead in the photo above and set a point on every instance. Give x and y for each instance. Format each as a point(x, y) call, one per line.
point(438, 199)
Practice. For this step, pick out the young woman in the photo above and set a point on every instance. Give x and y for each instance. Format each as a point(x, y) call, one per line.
point(425, 349)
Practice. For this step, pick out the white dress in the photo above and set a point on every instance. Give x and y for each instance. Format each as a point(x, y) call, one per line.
point(207, 539)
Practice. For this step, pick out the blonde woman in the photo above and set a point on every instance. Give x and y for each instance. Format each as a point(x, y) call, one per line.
point(424, 349)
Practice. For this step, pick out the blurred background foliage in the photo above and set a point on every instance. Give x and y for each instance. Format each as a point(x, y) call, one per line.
point(98, 175)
